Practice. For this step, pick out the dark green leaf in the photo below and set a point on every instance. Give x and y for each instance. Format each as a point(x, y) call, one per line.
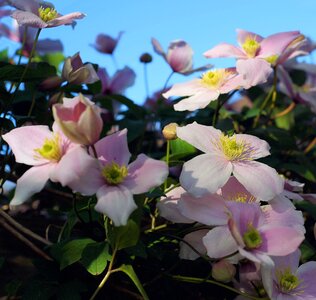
point(95, 257)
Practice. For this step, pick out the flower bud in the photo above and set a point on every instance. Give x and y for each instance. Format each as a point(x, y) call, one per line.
point(79, 119)
point(105, 43)
point(223, 271)
point(146, 58)
point(170, 131)
point(75, 72)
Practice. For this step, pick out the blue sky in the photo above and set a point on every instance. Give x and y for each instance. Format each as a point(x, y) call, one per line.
point(202, 23)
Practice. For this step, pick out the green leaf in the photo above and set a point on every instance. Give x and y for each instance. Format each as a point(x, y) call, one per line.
point(307, 252)
point(285, 122)
point(95, 257)
point(179, 146)
point(307, 206)
point(70, 252)
point(129, 271)
point(124, 236)
point(72, 220)
point(303, 170)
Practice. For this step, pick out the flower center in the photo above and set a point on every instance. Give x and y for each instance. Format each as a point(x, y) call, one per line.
point(114, 174)
point(287, 280)
point(47, 14)
point(231, 147)
point(241, 197)
point(272, 59)
point(252, 238)
point(251, 47)
point(51, 149)
point(215, 79)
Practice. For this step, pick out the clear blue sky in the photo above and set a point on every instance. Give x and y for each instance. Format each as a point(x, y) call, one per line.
point(202, 23)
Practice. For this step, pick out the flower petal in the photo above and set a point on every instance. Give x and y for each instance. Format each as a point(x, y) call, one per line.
point(24, 140)
point(204, 174)
point(242, 35)
point(184, 89)
point(194, 239)
point(28, 19)
point(114, 148)
point(219, 242)
point(200, 136)
point(197, 101)
point(209, 209)
point(254, 71)
point(79, 171)
point(259, 179)
point(145, 173)
point(225, 50)
point(30, 183)
point(66, 19)
point(116, 202)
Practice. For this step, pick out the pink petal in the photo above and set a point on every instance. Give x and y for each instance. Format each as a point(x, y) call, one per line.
point(79, 171)
point(219, 242)
point(209, 209)
point(289, 261)
point(307, 273)
point(197, 101)
point(145, 173)
point(48, 45)
point(280, 241)
point(184, 89)
point(225, 50)
point(259, 147)
point(194, 239)
point(66, 19)
point(26, 5)
point(233, 188)
point(254, 71)
point(114, 148)
point(121, 80)
point(28, 19)
point(30, 183)
point(259, 179)
point(179, 56)
point(242, 35)
point(24, 140)
point(204, 174)
point(157, 47)
point(277, 43)
point(116, 202)
point(201, 137)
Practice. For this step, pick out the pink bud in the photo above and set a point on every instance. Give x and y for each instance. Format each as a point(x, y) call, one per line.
point(105, 43)
point(79, 119)
point(75, 72)
point(180, 56)
point(223, 271)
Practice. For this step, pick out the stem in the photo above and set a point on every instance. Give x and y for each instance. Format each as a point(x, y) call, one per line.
point(94, 151)
point(107, 275)
point(32, 104)
point(219, 105)
point(23, 74)
point(272, 93)
point(114, 61)
point(201, 280)
point(167, 162)
point(146, 80)
point(18, 226)
point(24, 239)
point(23, 44)
point(167, 81)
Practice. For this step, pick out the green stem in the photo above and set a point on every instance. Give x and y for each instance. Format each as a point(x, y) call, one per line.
point(167, 81)
point(23, 74)
point(107, 275)
point(32, 104)
point(272, 93)
point(167, 162)
point(201, 280)
point(23, 44)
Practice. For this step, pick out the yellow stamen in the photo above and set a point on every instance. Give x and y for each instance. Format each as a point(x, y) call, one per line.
point(51, 149)
point(251, 46)
point(215, 79)
point(47, 14)
point(114, 173)
point(272, 59)
point(287, 280)
point(241, 197)
point(252, 238)
point(231, 147)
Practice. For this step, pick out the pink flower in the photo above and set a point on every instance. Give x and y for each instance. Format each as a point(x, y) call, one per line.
point(111, 177)
point(37, 146)
point(255, 54)
point(79, 119)
point(105, 43)
point(75, 72)
point(118, 83)
point(225, 155)
point(202, 91)
point(249, 233)
point(289, 281)
point(32, 13)
point(179, 56)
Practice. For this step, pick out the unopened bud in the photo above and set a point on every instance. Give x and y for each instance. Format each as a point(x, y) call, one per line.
point(223, 271)
point(146, 58)
point(170, 131)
